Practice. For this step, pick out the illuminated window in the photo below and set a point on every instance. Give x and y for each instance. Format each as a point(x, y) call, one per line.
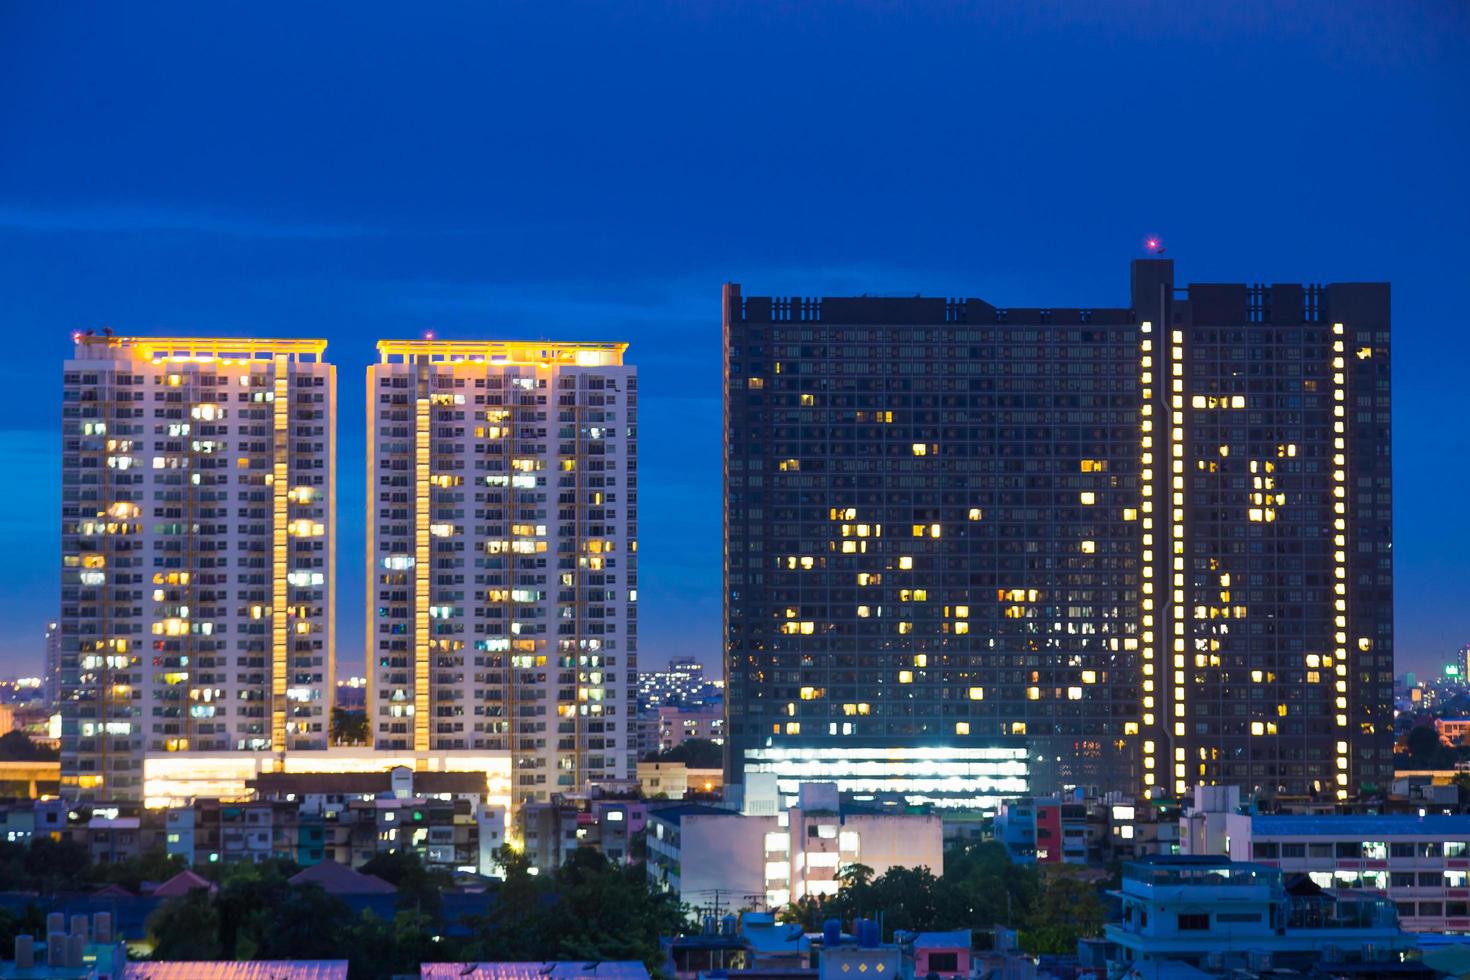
point(1087, 498)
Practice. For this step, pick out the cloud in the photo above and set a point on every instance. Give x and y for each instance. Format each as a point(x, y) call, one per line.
point(128, 219)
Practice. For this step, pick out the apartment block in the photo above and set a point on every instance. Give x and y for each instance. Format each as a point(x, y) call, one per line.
point(503, 553)
point(1128, 548)
point(198, 541)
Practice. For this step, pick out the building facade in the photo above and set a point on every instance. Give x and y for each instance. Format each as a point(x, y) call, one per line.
point(503, 503)
point(51, 681)
point(1421, 864)
point(1144, 547)
point(198, 554)
point(682, 684)
point(721, 858)
point(1218, 915)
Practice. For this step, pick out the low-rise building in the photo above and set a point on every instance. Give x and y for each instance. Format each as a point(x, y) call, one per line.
point(1421, 864)
point(678, 725)
point(1043, 830)
point(1453, 730)
point(675, 780)
point(943, 954)
point(706, 854)
point(1215, 914)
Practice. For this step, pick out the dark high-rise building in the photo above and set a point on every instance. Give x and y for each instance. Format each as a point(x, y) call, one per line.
point(973, 551)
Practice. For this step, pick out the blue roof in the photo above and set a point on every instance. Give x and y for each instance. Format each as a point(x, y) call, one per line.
point(1363, 827)
point(673, 814)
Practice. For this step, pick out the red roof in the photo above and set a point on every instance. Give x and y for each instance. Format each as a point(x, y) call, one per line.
point(182, 884)
point(339, 879)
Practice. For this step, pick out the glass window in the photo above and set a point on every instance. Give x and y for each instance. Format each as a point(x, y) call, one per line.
point(1319, 850)
point(1455, 848)
point(1401, 850)
point(1349, 849)
point(1375, 850)
point(1293, 850)
point(1431, 909)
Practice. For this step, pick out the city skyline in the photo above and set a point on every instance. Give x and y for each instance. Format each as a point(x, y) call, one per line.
point(301, 224)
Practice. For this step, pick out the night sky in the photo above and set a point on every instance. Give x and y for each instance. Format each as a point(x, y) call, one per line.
point(367, 170)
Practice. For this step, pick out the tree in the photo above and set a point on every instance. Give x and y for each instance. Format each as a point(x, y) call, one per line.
point(16, 746)
point(377, 948)
point(186, 928)
point(155, 865)
point(1068, 909)
point(695, 753)
point(29, 922)
point(57, 865)
point(587, 909)
point(419, 887)
point(1424, 745)
point(307, 924)
point(247, 894)
point(1461, 782)
point(350, 727)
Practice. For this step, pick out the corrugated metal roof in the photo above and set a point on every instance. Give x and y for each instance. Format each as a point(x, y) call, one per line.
point(1362, 827)
point(242, 970)
point(573, 970)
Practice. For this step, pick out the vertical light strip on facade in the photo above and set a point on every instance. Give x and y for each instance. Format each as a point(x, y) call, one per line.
point(1176, 542)
point(1339, 553)
point(422, 497)
point(280, 550)
point(331, 639)
point(1146, 425)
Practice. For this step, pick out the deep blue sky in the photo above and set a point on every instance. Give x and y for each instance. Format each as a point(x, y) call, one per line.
point(364, 170)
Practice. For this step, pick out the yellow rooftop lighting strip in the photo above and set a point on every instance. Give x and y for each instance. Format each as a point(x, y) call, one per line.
point(502, 352)
point(207, 348)
point(1146, 426)
point(1339, 555)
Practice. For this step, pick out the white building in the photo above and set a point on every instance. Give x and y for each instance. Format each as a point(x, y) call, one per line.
point(1420, 863)
point(197, 553)
point(704, 853)
point(502, 529)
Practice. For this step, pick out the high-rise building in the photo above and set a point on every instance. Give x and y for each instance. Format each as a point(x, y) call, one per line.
point(969, 548)
point(503, 510)
point(197, 553)
point(681, 683)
